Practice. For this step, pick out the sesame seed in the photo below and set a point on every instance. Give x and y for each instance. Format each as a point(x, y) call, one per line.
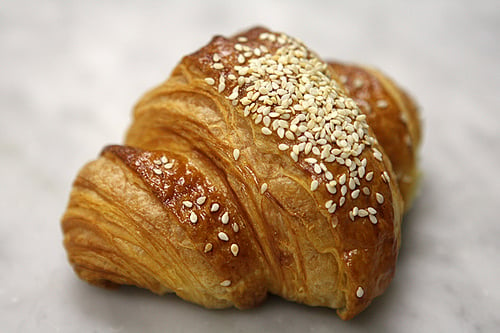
point(404, 117)
point(373, 219)
point(360, 292)
point(222, 86)
point(325, 153)
point(210, 81)
point(372, 210)
point(236, 227)
point(332, 209)
point(245, 101)
point(311, 160)
point(328, 204)
point(264, 35)
point(343, 190)
point(352, 183)
point(381, 103)
point(341, 201)
point(225, 218)
point(193, 218)
point(321, 142)
point(355, 194)
point(408, 140)
point(258, 119)
point(216, 57)
point(283, 146)
point(314, 185)
point(330, 187)
point(351, 216)
point(187, 204)
point(323, 167)
point(215, 207)
point(362, 213)
point(169, 165)
point(308, 148)
point(366, 190)
point(385, 177)
point(263, 188)
point(201, 200)
point(157, 162)
point(236, 154)
point(342, 179)
point(157, 171)
point(356, 180)
point(377, 154)
point(223, 236)
point(164, 160)
point(380, 198)
point(317, 169)
point(361, 171)
point(369, 176)
point(208, 247)
point(218, 65)
point(234, 94)
point(358, 83)
point(266, 131)
point(234, 249)
point(289, 135)
point(225, 283)
point(266, 121)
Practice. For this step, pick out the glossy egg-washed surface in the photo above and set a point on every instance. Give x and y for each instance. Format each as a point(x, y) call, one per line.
point(392, 115)
point(224, 195)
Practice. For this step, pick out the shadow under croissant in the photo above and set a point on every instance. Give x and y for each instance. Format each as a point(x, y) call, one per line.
point(131, 307)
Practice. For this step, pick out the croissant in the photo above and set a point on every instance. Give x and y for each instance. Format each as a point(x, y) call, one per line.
point(255, 168)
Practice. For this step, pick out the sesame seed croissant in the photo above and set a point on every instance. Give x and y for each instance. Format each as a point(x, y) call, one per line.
point(251, 170)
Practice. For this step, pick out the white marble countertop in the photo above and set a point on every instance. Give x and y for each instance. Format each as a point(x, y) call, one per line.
point(72, 70)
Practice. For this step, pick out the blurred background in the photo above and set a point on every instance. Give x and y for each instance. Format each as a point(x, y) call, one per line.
point(71, 71)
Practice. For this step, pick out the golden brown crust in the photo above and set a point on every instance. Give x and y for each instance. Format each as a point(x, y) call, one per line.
point(170, 242)
point(392, 115)
point(312, 227)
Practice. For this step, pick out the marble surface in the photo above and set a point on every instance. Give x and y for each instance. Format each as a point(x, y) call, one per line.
point(71, 71)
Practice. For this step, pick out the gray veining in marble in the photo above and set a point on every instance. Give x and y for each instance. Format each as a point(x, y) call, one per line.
point(70, 72)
